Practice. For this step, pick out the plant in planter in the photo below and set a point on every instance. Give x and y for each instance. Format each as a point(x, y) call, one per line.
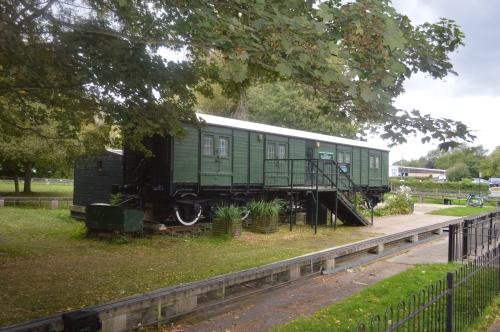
point(227, 221)
point(265, 215)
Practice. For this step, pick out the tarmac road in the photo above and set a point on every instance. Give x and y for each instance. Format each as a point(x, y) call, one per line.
point(264, 311)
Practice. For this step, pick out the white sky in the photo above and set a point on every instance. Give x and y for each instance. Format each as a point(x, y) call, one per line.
point(472, 97)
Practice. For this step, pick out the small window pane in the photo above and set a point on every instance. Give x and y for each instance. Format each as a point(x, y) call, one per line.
point(340, 157)
point(270, 151)
point(223, 147)
point(348, 158)
point(281, 154)
point(372, 162)
point(209, 145)
point(377, 162)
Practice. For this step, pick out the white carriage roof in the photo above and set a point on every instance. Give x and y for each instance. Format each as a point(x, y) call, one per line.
point(253, 126)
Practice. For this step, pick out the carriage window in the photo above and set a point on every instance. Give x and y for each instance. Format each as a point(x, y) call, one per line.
point(223, 147)
point(270, 151)
point(99, 165)
point(281, 154)
point(340, 157)
point(209, 145)
point(374, 162)
point(348, 158)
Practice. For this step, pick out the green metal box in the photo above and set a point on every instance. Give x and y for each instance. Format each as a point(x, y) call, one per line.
point(114, 218)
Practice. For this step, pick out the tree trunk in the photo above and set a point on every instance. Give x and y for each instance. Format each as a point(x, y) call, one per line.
point(27, 178)
point(242, 112)
point(16, 183)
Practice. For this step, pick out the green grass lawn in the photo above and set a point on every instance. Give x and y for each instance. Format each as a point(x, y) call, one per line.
point(51, 267)
point(39, 190)
point(462, 211)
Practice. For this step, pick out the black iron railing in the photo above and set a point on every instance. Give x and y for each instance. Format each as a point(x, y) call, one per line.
point(473, 237)
point(451, 304)
point(315, 175)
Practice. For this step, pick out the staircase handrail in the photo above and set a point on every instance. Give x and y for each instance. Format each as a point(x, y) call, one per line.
point(354, 185)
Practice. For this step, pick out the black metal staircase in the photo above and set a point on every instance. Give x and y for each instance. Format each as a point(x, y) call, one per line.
point(346, 211)
point(327, 180)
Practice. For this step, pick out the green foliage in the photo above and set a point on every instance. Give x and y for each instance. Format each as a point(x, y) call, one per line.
point(115, 198)
point(490, 165)
point(462, 211)
point(75, 66)
point(471, 156)
point(270, 209)
point(445, 186)
point(120, 240)
point(467, 182)
point(298, 106)
point(457, 172)
point(229, 213)
point(399, 203)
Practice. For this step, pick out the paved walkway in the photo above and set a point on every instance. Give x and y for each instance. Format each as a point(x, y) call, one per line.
point(267, 310)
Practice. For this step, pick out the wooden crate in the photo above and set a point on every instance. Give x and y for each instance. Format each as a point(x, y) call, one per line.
point(221, 227)
point(264, 225)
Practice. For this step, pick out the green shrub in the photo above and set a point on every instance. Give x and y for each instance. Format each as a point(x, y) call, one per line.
point(229, 212)
point(467, 182)
point(270, 209)
point(457, 172)
point(439, 186)
point(400, 202)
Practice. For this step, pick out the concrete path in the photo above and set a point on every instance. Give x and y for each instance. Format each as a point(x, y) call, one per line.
point(264, 311)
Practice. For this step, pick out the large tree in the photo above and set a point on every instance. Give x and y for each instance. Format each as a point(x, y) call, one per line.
point(37, 147)
point(98, 59)
point(471, 156)
point(490, 166)
point(299, 107)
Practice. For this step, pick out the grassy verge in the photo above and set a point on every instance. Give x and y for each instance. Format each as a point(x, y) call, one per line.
point(50, 267)
point(360, 307)
point(39, 190)
point(490, 316)
point(461, 211)
point(461, 201)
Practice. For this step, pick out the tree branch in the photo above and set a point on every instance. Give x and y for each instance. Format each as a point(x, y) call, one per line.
point(40, 11)
point(113, 33)
point(31, 130)
point(4, 90)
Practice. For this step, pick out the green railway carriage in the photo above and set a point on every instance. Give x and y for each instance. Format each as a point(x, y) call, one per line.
point(232, 161)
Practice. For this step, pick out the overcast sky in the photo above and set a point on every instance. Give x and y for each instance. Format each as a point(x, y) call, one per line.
point(471, 97)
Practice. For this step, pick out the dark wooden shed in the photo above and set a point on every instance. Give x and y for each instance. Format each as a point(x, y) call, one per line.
point(93, 179)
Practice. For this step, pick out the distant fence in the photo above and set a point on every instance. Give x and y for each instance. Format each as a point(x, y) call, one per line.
point(441, 191)
point(38, 180)
point(451, 304)
point(33, 201)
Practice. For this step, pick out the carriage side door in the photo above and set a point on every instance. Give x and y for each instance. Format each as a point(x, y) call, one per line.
point(277, 170)
point(216, 161)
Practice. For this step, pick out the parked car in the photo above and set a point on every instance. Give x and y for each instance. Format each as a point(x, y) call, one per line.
point(494, 182)
point(482, 181)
